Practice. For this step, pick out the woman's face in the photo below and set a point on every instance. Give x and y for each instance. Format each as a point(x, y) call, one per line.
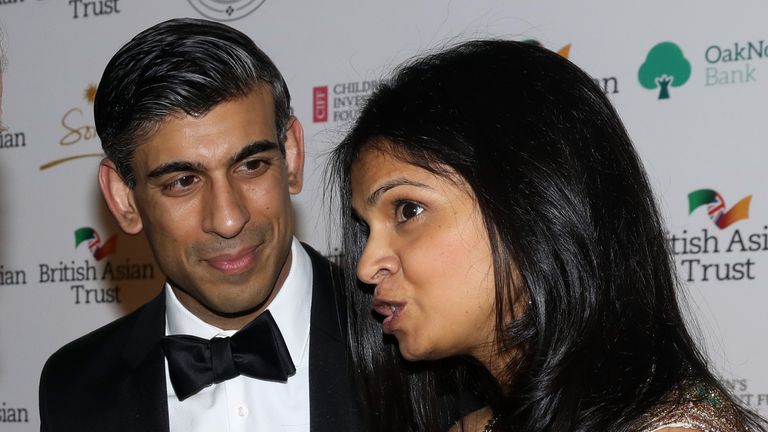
point(428, 255)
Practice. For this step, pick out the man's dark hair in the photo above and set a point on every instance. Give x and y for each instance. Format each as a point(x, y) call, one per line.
point(181, 66)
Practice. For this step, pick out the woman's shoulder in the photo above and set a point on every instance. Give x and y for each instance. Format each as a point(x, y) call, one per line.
point(695, 406)
point(480, 420)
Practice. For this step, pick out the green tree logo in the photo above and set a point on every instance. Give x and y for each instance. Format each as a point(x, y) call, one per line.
point(665, 65)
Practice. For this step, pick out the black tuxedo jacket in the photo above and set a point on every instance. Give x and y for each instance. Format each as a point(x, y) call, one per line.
point(113, 379)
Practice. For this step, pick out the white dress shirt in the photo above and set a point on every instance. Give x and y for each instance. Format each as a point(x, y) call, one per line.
point(241, 403)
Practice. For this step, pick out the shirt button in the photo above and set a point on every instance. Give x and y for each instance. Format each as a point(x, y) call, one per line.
point(242, 411)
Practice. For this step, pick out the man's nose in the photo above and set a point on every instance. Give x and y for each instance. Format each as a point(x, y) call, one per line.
point(226, 210)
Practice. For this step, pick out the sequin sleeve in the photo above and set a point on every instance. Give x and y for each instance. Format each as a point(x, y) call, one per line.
point(700, 408)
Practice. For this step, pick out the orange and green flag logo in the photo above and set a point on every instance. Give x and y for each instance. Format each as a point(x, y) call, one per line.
point(716, 208)
point(565, 51)
point(99, 251)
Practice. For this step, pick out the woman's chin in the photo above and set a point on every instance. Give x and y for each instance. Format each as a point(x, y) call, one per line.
point(418, 353)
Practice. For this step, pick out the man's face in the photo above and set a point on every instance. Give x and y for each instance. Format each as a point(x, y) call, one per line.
point(212, 195)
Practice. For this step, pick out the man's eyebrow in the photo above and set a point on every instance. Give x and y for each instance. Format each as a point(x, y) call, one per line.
point(391, 184)
point(244, 153)
point(254, 148)
point(176, 166)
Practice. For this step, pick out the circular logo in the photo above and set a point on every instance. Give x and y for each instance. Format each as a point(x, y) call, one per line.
point(225, 10)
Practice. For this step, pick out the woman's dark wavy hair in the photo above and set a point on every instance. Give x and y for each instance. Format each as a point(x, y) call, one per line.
point(177, 67)
point(570, 215)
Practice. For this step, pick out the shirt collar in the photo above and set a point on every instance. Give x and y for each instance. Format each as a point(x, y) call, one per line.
point(290, 308)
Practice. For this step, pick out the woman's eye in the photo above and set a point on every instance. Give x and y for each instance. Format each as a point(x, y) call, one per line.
point(407, 210)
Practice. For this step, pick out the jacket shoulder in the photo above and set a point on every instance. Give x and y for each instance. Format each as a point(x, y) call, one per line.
point(94, 355)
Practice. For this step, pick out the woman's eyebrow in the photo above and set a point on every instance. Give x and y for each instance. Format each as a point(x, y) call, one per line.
point(389, 185)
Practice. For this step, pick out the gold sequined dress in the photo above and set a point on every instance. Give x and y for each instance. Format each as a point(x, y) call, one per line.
point(700, 407)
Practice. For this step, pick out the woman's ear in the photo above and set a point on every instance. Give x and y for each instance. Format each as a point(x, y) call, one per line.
point(119, 197)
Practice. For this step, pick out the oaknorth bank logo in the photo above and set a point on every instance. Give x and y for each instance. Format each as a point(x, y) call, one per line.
point(225, 10)
point(734, 63)
point(91, 237)
point(720, 215)
point(664, 67)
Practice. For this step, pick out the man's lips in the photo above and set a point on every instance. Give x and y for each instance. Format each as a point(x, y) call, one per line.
point(391, 311)
point(234, 263)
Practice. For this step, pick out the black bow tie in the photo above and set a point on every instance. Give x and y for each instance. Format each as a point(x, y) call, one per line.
point(257, 351)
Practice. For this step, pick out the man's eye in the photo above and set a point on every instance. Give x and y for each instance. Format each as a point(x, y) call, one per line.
point(181, 183)
point(254, 166)
point(407, 210)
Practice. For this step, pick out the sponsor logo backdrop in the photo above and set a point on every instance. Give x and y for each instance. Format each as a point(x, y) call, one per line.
point(688, 78)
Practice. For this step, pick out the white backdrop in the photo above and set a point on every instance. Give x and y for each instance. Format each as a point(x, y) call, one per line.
point(709, 134)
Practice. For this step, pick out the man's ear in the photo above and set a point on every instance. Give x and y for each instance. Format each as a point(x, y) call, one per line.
point(119, 197)
point(294, 155)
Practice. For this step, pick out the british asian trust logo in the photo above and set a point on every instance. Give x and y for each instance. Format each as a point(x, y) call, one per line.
point(99, 251)
point(12, 139)
point(13, 414)
point(726, 247)
point(665, 66)
point(95, 279)
point(225, 10)
point(93, 8)
point(7, 2)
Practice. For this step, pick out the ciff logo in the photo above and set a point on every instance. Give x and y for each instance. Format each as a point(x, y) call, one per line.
point(665, 66)
point(320, 104)
point(716, 208)
point(77, 132)
point(340, 102)
point(91, 236)
point(225, 10)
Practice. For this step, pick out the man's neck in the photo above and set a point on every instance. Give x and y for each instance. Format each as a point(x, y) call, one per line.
point(234, 321)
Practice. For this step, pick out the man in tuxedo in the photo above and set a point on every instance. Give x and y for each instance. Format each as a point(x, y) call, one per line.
point(202, 155)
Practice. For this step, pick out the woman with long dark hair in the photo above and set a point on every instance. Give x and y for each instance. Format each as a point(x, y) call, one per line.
point(499, 228)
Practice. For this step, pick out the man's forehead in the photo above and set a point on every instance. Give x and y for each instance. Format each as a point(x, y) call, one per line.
point(220, 133)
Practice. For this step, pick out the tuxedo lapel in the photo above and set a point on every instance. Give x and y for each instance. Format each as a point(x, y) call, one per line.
point(112, 379)
point(144, 398)
point(333, 402)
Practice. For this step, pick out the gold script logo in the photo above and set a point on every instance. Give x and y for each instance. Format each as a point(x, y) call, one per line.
point(76, 131)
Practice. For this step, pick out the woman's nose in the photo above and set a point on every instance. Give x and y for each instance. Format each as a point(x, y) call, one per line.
point(378, 261)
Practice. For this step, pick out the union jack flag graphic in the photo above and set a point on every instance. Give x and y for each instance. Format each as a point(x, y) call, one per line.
point(716, 208)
